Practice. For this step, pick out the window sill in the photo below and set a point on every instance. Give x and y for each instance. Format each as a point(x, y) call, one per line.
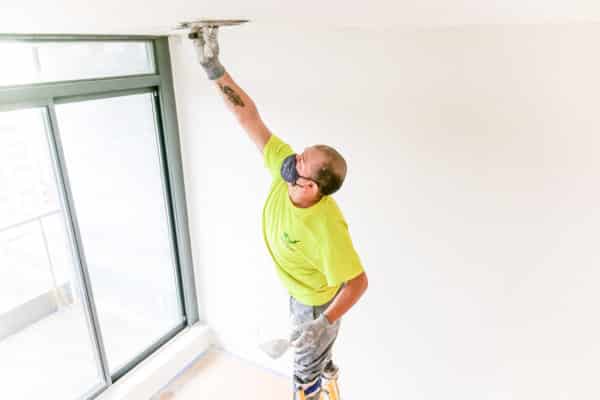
point(162, 367)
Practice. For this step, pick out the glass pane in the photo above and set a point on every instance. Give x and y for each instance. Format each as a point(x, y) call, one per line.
point(17, 66)
point(34, 62)
point(112, 158)
point(46, 347)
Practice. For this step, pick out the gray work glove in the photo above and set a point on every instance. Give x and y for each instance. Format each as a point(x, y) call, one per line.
point(207, 48)
point(308, 334)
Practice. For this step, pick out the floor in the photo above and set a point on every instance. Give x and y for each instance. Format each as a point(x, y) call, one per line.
point(221, 376)
point(58, 347)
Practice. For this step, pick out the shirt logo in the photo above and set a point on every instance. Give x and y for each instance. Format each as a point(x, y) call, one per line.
point(289, 241)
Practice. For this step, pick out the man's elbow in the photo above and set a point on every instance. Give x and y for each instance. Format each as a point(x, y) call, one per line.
point(365, 282)
point(361, 282)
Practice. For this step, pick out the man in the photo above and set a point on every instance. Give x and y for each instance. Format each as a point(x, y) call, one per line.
point(303, 228)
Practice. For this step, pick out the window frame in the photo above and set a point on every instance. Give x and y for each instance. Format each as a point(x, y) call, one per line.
point(46, 95)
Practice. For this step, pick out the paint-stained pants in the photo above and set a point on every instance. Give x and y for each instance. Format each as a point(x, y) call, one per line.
point(309, 365)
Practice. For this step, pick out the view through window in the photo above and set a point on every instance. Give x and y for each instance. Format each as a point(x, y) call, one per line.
point(89, 271)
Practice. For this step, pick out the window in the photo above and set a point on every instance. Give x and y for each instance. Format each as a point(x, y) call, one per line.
point(35, 62)
point(93, 230)
point(119, 199)
point(42, 317)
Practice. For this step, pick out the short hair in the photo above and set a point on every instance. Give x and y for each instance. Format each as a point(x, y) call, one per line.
point(332, 172)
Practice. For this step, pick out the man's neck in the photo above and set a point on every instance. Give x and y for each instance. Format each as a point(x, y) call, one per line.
point(305, 203)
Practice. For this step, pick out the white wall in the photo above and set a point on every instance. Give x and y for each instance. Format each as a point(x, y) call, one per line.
point(472, 198)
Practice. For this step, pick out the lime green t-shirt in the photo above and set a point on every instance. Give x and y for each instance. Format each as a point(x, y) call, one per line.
point(311, 247)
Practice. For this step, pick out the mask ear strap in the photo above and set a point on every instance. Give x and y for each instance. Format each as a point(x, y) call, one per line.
point(315, 182)
point(308, 179)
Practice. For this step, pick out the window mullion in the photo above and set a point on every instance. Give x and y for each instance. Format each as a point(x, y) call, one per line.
point(66, 200)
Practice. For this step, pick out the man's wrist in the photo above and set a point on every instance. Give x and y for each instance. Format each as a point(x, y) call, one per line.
point(214, 70)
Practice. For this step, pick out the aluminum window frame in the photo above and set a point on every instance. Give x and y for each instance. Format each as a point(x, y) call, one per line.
point(46, 95)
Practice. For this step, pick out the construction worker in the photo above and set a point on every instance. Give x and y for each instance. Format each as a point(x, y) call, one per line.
point(304, 230)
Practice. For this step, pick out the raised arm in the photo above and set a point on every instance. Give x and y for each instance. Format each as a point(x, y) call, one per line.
point(245, 111)
point(237, 101)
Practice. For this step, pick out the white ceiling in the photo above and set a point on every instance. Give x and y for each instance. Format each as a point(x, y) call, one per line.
point(156, 16)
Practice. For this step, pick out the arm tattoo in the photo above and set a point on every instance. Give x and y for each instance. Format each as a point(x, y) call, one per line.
point(233, 97)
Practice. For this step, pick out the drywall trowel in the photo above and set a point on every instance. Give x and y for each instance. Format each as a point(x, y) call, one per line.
point(187, 26)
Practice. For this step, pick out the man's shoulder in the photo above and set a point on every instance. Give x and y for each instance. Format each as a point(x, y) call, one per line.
point(332, 207)
point(274, 152)
point(330, 214)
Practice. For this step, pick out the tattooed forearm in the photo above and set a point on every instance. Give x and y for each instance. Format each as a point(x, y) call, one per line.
point(233, 97)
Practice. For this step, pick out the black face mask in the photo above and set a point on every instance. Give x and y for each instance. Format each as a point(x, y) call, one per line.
point(289, 172)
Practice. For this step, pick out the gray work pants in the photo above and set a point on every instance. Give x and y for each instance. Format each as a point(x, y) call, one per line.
point(309, 364)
